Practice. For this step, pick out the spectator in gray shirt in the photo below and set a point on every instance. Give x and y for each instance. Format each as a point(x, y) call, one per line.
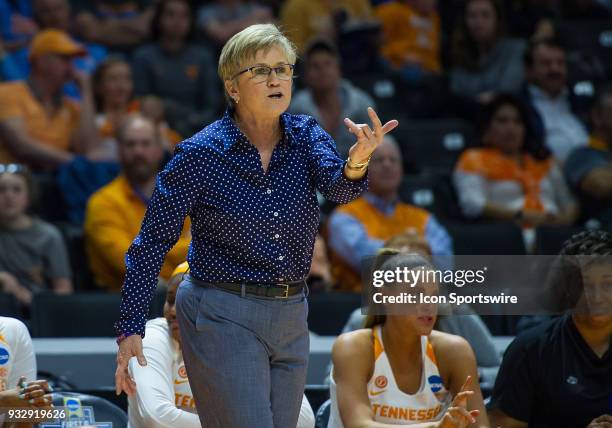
point(178, 71)
point(221, 19)
point(484, 62)
point(329, 98)
point(33, 256)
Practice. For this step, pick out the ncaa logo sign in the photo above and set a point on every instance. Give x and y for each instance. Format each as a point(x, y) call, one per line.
point(435, 382)
point(72, 404)
point(4, 356)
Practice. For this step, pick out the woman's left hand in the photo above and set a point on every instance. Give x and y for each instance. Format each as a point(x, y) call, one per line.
point(367, 139)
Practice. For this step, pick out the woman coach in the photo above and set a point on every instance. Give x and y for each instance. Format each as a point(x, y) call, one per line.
point(248, 182)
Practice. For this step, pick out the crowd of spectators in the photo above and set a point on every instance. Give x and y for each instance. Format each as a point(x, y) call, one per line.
point(95, 95)
point(73, 73)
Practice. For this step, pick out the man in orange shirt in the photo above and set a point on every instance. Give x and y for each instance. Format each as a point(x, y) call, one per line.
point(38, 126)
point(357, 230)
point(115, 212)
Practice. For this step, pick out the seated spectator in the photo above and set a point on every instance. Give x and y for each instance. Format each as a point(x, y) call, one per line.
point(511, 178)
point(163, 396)
point(559, 373)
point(37, 124)
point(328, 97)
point(589, 169)
point(115, 212)
point(460, 320)
point(117, 24)
point(56, 14)
point(221, 19)
point(33, 256)
point(178, 71)
point(399, 371)
point(360, 228)
point(18, 389)
point(17, 26)
point(306, 20)
point(554, 111)
point(411, 36)
point(113, 94)
point(484, 61)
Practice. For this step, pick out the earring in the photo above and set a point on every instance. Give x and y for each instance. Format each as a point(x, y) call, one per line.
point(236, 100)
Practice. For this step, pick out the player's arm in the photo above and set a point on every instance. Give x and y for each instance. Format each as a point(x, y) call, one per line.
point(456, 358)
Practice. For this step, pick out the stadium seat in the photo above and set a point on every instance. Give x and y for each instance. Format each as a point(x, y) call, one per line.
point(431, 191)
point(74, 238)
point(9, 306)
point(398, 99)
point(77, 315)
point(486, 238)
point(358, 45)
point(589, 38)
point(550, 239)
point(387, 90)
point(327, 313)
point(322, 416)
point(48, 202)
point(104, 410)
point(433, 145)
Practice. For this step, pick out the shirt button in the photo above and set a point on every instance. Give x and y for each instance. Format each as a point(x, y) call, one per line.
point(276, 236)
point(275, 214)
point(281, 257)
point(268, 191)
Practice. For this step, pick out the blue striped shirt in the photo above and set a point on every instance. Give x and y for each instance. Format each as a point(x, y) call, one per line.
point(246, 225)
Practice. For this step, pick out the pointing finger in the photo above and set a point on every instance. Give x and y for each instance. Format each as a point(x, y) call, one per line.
point(389, 126)
point(375, 120)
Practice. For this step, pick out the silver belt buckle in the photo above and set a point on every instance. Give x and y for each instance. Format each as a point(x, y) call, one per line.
point(285, 292)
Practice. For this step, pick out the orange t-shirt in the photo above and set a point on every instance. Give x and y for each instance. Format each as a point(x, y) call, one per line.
point(494, 166)
point(406, 33)
point(18, 102)
point(112, 221)
point(379, 226)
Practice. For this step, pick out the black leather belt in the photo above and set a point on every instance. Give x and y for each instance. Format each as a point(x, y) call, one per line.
point(279, 290)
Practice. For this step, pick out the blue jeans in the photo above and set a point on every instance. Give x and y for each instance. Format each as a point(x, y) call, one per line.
point(246, 357)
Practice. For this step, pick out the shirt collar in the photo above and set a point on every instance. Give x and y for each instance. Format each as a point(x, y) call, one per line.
point(537, 93)
point(37, 93)
point(132, 192)
point(233, 134)
point(380, 204)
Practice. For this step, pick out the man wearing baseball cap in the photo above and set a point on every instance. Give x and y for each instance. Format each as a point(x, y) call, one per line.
point(38, 126)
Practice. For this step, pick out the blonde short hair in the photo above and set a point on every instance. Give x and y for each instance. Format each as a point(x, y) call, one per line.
point(244, 45)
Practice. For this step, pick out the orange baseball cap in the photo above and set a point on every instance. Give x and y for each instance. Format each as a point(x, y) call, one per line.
point(55, 42)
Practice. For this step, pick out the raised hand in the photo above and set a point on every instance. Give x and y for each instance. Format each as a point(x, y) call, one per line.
point(367, 139)
point(457, 415)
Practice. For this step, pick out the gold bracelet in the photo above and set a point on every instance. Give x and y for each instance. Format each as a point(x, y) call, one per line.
point(357, 166)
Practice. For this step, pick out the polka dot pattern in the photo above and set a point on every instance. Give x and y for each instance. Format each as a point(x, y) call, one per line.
point(247, 225)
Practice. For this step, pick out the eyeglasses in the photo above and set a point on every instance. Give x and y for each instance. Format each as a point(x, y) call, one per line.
point(260, 73)
point(11, 168)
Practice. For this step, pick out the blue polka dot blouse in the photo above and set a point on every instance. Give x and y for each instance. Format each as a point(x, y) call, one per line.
point(246, 225)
